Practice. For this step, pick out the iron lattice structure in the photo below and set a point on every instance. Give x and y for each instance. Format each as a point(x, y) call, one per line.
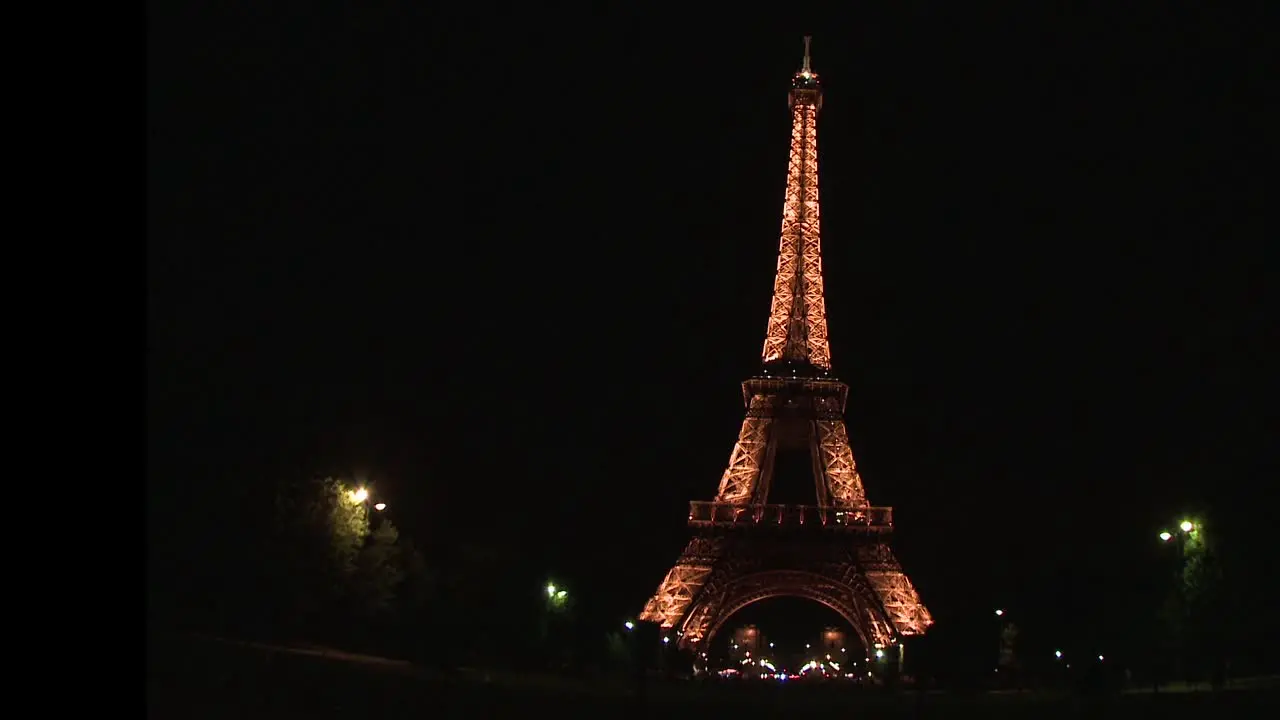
point(835, 552)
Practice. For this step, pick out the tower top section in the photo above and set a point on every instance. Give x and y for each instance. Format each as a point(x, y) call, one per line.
point(796, 339)
point(805, 89)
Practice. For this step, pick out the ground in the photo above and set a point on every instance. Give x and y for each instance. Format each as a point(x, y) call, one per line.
point(206, 678)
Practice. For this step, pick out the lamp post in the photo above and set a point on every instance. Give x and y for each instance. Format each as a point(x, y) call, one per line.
point(1005, 657)
point(1190, 585)
point(999, 637)
point(555, 624)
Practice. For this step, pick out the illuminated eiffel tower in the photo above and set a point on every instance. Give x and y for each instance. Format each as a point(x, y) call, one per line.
point(836, 551)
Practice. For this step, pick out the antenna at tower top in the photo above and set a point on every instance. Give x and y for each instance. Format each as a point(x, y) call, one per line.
point(807, 38)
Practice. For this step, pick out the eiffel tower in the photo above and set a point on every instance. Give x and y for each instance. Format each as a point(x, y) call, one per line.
point(744, 549)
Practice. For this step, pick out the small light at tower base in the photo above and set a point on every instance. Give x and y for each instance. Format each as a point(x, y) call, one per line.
point(666, 640)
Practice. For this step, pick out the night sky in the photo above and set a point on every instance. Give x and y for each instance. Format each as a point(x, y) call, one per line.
point(513, 267)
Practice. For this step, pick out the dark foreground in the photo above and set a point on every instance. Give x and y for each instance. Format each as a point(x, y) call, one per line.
point(211, 679)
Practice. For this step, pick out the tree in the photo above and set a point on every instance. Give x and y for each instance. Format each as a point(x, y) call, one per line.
point(417, 602)
point(618, 652)
point(318, 559)
point(378, 572)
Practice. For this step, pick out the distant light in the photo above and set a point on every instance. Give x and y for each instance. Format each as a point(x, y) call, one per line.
point(629, 625)
point(359, 495)
point(879, 653)
point(666, 640)
point(999, 613)
point(1187, 526)
point(1165, 536)
point(551, 590)
point(380, 506)
point(1057, 654)
point(1099, 658)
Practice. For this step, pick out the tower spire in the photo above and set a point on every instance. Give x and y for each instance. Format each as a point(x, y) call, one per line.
point(797, 330)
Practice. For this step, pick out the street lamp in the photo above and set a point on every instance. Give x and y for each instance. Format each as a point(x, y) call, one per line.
point(360, 496)
point(629, 625)
point(557, 598)
point(1187, 532)
point(999, 612)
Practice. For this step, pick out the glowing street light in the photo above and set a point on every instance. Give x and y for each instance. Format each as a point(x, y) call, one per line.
point(1057, 654)
point(629, 625)
point(1186, 526)
point(557, 598)
point(380, 506)
point(999, 612)
point(1166, 536)
point(359, 495)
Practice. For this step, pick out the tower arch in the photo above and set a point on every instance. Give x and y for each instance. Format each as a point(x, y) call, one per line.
point(855, 602)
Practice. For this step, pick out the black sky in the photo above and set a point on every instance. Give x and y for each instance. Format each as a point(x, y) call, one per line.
point(512, 267)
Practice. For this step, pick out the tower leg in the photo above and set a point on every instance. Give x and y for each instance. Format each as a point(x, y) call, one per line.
point(838, 466)
point(683, 583)
point(742, 478)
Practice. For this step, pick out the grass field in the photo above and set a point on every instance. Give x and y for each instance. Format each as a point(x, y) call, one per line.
point(202, 678)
